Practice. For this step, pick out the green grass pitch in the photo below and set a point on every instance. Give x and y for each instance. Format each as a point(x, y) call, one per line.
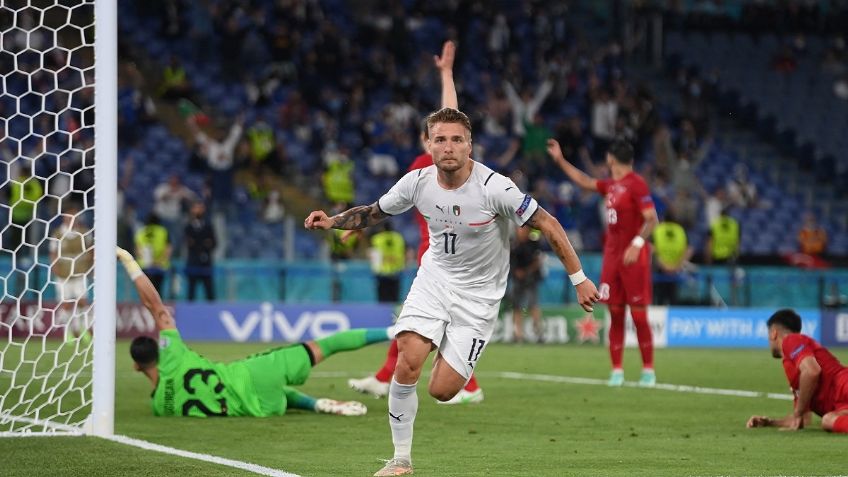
point(522, 428)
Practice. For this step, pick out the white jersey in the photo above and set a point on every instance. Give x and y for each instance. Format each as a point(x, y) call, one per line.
point(469, 227)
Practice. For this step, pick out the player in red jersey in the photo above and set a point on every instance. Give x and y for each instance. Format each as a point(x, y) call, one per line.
point(378, 384)
point(626, 272)
point(818, 381)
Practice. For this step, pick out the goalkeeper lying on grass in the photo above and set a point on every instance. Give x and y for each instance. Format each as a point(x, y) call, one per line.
point(187, 384)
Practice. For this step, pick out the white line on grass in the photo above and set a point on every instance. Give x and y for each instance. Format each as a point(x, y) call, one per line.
point(598, 382)
point(256, 469)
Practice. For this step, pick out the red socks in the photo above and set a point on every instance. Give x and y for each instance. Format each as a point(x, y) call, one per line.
point(616, 335)
point(384, 375)
point(643, 333)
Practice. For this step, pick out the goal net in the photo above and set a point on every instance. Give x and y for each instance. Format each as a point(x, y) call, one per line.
point(48, 219)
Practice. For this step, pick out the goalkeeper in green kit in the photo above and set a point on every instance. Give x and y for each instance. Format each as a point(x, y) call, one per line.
point(187, 384)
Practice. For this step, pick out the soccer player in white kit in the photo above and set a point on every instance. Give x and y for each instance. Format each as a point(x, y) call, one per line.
point(454, 301)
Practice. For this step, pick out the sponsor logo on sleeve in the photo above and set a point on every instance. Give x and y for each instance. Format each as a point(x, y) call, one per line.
point(797, 351)
point(524, 205)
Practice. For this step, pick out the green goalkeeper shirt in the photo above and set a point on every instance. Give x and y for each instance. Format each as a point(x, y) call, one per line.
point(191, 385)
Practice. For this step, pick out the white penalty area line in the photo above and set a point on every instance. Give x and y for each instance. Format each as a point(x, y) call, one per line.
point(630, 384)
point(550, 378)
point(237, 464)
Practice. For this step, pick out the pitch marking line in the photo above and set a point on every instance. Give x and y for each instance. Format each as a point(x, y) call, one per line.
point(256, 469)
point(597, 382)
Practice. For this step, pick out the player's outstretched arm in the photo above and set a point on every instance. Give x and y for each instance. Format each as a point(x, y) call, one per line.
point(576, 175)
point(444, 63)
point(587, 294)
point(147, 292)
point(355, 218)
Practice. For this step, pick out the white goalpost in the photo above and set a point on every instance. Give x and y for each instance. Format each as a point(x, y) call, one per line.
point(58, 216)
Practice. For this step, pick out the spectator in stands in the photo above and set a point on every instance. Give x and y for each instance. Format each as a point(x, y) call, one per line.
point(740, 190)
point(388, 260)
point(175, 84)
point(338, 179)
point(526, 106)
point(200, 245)
point(525, 276)
point(672, 253)
point(153, 248)
point(604, 117)
point(684, 208)
point(263, 148)
point(812, 238)
point(723, 243)
point(171, 199)
point(273, 210)
point(714, 204)
point(71, 259)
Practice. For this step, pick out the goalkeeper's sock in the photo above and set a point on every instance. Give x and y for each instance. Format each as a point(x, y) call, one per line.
point(297, 400)
point(643, 334)
point(351, 340)
point(841, 424)
point(403, 406)
point(384, 375)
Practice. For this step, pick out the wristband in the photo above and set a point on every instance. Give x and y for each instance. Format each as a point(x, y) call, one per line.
point(577, 277)
point(638, 241)
point(133, 269)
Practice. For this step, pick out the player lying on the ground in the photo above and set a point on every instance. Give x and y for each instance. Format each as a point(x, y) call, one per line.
point(187, 384)
point(819, 382)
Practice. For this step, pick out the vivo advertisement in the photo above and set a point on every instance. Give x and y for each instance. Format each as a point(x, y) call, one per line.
point(834, 328)
point(267, 322)
point(729, 327)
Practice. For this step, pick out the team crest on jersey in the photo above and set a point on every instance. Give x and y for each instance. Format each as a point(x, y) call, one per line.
point(456, 210)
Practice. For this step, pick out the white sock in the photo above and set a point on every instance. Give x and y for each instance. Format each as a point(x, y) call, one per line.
point(403, 406)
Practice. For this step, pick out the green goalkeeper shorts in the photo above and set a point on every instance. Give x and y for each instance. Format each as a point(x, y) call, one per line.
point(273, 370)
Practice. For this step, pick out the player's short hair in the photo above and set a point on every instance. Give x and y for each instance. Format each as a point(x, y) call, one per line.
point(622, 151)
point(144, 351)
point(448, 115)
point(786, 318)
point(425, 129)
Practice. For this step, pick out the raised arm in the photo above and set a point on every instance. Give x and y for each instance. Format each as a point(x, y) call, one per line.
point(444, 64)
point(355, 218)
point(147, 292)
point(576, 175)
point(587, 294)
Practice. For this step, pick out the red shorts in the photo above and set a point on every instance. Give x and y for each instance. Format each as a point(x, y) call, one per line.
point(626, 284)
point(840, 391)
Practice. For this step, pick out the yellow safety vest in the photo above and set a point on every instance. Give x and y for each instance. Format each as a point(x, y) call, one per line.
point(261, 141)
point(22, 199)
point(339, 248)
point(725, 232)
point(338, 185)
point(152, 243)
point(392, 250)
point(669, 243)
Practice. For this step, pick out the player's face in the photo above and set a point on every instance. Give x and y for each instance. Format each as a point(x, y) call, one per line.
point(450, 146)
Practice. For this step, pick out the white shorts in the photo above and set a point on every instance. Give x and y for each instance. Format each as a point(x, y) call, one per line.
point(459, 326)
point(71, 288)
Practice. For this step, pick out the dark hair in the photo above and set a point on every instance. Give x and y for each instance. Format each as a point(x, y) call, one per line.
point(786, 318)
point(425, 130)
point(448, 115)
point(622, 151)
point(144, 351)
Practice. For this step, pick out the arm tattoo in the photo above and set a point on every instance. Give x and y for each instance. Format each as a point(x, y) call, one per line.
point(559, 241)
point(359, 217)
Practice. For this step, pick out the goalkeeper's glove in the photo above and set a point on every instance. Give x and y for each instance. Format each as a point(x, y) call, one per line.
point(132, 267)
